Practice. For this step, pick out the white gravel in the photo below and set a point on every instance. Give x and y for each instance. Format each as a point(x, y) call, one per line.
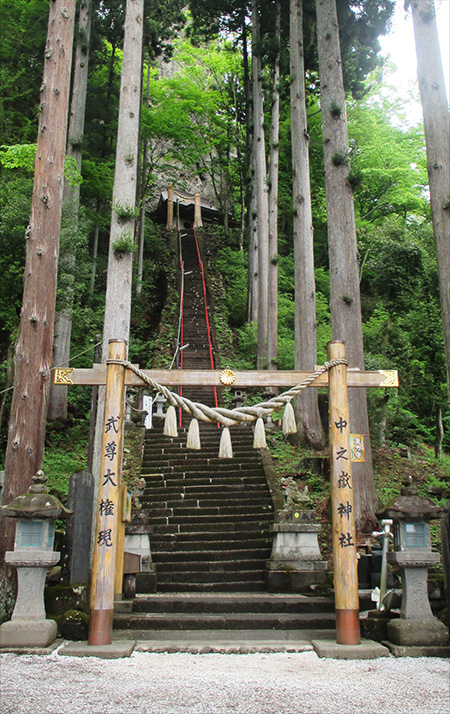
point(298, 683)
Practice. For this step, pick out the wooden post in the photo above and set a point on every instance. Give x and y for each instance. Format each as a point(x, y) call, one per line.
point(197, 211)
point(343, 516)
point(120, 545)
point(103, 569)
point(169, 225)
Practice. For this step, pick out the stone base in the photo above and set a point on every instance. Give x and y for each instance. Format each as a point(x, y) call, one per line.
point(366, 650)
point(33, 650)
point(374, 626)
point(28, 633)
point(115, 650)
point(399, 651)
point(294, 581)
point(409, 633)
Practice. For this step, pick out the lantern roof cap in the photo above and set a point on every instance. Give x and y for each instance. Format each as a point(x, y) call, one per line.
point(36, 502)
point(410, 505)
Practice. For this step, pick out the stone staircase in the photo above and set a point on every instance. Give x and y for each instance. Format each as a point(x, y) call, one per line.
point(224, 622)
point(211, 537)
point(210, 516)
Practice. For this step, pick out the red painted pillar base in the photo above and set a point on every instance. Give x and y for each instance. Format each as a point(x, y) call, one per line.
point(347, 627)
point(100, 627)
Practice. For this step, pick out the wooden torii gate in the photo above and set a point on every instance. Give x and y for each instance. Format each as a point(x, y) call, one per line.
point(116, 377)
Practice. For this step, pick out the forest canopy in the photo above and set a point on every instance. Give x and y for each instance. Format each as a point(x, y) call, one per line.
point(196, 126)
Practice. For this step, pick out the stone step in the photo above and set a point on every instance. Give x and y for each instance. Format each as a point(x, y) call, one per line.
point(210, 491)
point(184, 513)
point(240, 602)
point(190, 542)
point(186, 459)
point(226, 555)
point(208, 443)
point(225, 502)
point(224, 506)
point(219, 567)
point(227, 466)
point(217, 519)
point(206, 479)
point(202, 527)
point(213, 584)
point(222, 621)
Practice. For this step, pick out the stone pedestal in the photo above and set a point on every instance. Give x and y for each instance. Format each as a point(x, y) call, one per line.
point(28, 626)
point(416, 626)
point(295, 562)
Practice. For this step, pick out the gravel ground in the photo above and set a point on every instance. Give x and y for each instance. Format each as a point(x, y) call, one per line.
point(298, 683)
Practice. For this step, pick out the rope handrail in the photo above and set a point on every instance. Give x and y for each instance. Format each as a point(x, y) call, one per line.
point(229, 417)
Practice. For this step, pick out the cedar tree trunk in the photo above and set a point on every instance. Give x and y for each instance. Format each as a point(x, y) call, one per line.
point(33, 351)
point(437, 139)
point(272, 320)
point(260, 179)
point(306, 404)
point(345, 300)
point(57, 407)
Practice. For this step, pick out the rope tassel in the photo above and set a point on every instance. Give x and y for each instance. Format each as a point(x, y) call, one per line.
point(170, 423)
point(193, 438)
point(289, 425)
point(259, 436)
point(225, 448)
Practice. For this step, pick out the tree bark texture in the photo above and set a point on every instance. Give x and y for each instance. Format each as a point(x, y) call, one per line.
point(118, 287)
point(274, 152)
point(345, 303)
point(119, 277)
point(57, 406)
point(437, 139)
point(306, 404)
point(260, 179)
point(33, 351)
point(250, 198)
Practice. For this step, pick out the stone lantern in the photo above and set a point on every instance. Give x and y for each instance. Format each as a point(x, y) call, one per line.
point(35, 513)
point(416, 627)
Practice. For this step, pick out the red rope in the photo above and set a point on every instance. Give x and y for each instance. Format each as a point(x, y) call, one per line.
point(211, 357)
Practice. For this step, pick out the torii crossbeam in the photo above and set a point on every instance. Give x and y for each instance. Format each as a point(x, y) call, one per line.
point(116, 377)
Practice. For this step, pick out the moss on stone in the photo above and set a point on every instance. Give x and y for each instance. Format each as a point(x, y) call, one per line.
point(60, 598)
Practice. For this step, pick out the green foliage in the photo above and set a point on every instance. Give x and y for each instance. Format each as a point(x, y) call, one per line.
point(15, 201)
point(125, 212)
point(22, 156)
point(335, 110)
point(18, 156)
point(125, 243)
point(233, 267)
point(246, 338)
point(66, 452)
point(340, 158)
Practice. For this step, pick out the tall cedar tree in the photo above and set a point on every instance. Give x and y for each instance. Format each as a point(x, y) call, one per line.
point(274, 152)
point(261, 189)
point(123, 214)
point(437, 139)
point(345, 302)
point(57, 407)
point(306, 406)
point(33, 353)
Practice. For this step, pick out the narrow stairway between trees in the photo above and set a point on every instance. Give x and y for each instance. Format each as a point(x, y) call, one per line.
point(211, 516)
